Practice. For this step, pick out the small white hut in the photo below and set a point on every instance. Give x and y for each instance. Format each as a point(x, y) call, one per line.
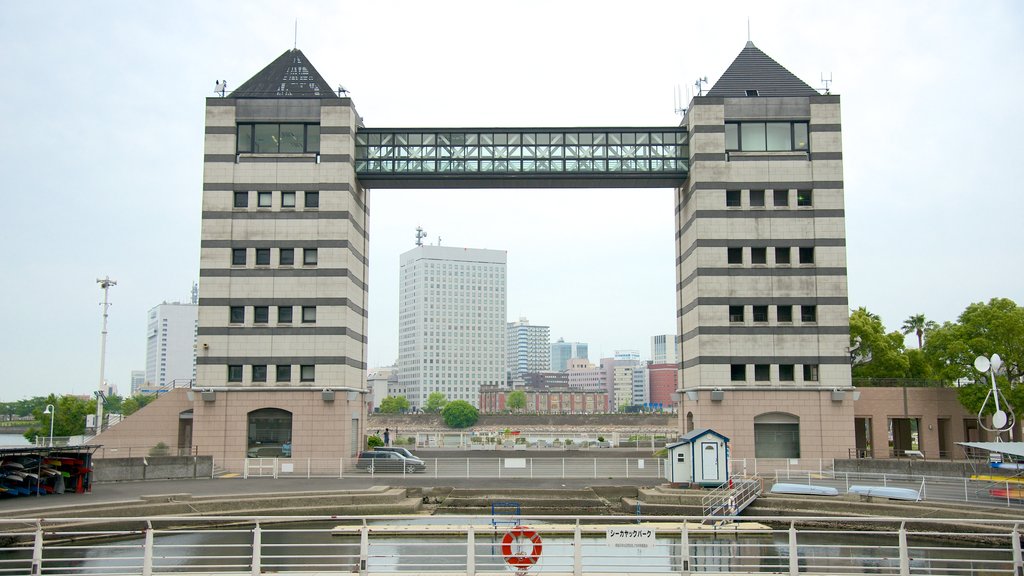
point(698, 457)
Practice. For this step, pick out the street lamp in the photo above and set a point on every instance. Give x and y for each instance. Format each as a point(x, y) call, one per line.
point(52, 412)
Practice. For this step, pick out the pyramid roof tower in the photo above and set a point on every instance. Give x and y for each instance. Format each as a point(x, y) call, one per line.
point(755, 70)
point(289, 76)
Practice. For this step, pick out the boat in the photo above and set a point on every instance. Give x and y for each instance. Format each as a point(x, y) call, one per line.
point(805, 489)
point(887, 492)
point(1004, 493)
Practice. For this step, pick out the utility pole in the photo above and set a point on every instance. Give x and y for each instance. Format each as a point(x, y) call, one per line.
point(104, 283)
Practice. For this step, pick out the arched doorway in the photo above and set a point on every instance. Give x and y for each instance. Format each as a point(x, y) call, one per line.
point(269, 433)
point(776, 435)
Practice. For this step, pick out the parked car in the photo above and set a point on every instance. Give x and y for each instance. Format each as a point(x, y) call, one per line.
point(403, 451)
point(385, 461)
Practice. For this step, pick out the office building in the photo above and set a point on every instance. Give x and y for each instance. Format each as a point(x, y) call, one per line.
point(451, 322)
point(641, 385)
point(170, 345)
point(138, 380)
point(583, 375)
point(763, 309)
point(663, 381)
point(529, 348)
point(562, 352)
point(665, 349)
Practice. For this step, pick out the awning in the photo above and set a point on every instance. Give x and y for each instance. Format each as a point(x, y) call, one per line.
point(1011, 448)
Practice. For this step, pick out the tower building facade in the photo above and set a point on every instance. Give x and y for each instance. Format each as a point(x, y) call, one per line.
point(451, 333)
point(761, 266)
point(170, 345)
point(282, 296)
point(529, 348)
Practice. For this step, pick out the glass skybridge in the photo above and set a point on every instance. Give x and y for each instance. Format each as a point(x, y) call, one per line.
point(522, 157)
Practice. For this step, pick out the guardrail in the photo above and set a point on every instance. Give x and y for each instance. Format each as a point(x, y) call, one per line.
point(578, 545)
point(510, 467)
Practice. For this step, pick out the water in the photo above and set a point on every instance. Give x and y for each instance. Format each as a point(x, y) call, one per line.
point(13, 441)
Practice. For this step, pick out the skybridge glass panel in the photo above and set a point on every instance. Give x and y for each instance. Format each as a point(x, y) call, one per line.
point(522, 153)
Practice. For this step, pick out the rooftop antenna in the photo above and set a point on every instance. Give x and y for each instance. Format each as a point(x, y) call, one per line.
point(221, 87)
point(679, 105)
point(295, 46)
point(195, 293)
point(700, 85)
point(341, 91)
point(420, 235)
point(827, 82)
point(104, 283)
point(748, 28)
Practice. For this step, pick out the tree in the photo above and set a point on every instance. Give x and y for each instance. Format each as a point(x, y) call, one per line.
point(394, 405)
point(919, 326)
point(70, 417)
point(516, 400)
point(135, 403)
point(981, 330)
point(875, 353)
point(459, 414)
point(435, 402)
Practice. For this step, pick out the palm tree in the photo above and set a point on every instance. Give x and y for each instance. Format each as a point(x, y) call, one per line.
point(918, 325)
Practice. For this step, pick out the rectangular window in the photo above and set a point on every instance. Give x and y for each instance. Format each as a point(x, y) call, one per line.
point(259, 373)
point(237, 315)
point(760, 313)
point(786, 373)
point(286, 256)
point(781, 198)
point(309, 256)
point(782, 255)
point(810, 372)
point(293, 138)
point(738, 372)
point(260, 314)
point(312, 200)
point(779, 136)
point(313, 137)
point(263, 256)
point(284, 373)
point(284, 314)
point(804, 198)
point(244, 138)
point(307, 373)
point(265, 138)
point(752, 137)
point(809, 313)
point(735, 313)
point(784, 313)
point(800, 136)
point(308, 314)
point(807, 254)
point(732, 198)
point(238, 256)
point(762, 372)
point(756, 198)
point(732, 136)
point(264, 199)
point(241, 200)
point(758, 255)
point(234, 373)
point(735, 255)
point(287, 199)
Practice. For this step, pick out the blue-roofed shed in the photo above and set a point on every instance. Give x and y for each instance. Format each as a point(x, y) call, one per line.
point(699, 457)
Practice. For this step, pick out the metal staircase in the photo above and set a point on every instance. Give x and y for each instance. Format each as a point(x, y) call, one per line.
point(733, 497)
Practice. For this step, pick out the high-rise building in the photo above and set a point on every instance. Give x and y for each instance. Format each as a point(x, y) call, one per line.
point(529, 348)
point(170, 345)
point(641, 385)
point(618, 373)
point(562, 352)
point(583, 375)
point(138, 380)
point(665, 349)
point(377, 382)
point(283, 270)
point(663, 381)
point(451, 334)
point(763, 312)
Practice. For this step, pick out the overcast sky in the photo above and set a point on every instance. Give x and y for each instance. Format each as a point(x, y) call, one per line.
point(103, 115)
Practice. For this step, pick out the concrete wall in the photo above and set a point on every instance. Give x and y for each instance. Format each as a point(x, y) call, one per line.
point(926, 404)
point(152, 468)
point(156, 422)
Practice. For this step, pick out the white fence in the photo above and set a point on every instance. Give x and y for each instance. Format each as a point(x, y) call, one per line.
point(471, 545)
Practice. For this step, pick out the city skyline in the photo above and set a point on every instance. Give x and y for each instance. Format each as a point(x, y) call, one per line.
point(123, 186)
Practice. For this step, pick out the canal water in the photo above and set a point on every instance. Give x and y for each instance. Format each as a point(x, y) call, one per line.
point(309, 546)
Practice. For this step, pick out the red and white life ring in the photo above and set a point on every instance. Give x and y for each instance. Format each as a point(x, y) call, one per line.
point(521, 560)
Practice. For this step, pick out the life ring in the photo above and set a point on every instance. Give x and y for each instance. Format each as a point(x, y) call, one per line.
point(521, 560)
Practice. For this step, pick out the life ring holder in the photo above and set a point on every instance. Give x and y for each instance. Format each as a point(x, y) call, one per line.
point(521, 561)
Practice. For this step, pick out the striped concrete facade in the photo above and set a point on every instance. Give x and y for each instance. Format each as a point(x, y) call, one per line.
point(737, 219)
point(257, 203)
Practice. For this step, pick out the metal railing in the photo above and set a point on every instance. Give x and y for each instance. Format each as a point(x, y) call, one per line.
point(732, 497)
point(577, 545)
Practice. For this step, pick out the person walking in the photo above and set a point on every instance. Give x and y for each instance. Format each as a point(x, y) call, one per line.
point(387, 437)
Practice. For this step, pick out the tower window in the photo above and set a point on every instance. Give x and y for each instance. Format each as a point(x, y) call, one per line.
point(781, 198)
point(809, 313)
point(756, 198)
point(762, 372)
point(786, 373)
point(312, 200)
point(735, 313)
point(735, 255)
point(235, 373)
point(738, 372)
point(287, 199)
point(758, 255)
point(263, 256)
point(284, 373)
point(810, 372)
point(807, 254)
point(732, 198)
point(286, 256)
point(284, 314)
point(782, 255)
point(238, 256)
point(784, 314)
point(309, 256)
point(264, 199)
point(241, 200)
point(804, 198)
point(237, 315)
point(751, 92)
point(760, 313)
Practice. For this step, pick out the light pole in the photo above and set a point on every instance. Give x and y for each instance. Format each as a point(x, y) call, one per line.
point(52, 411)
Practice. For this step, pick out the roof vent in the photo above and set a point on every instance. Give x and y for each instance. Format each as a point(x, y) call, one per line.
point(751, 92)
